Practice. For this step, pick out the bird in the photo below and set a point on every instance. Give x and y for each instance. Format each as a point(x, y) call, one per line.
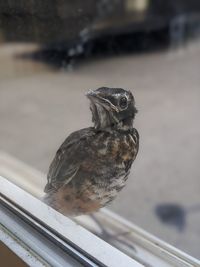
point(93, 164)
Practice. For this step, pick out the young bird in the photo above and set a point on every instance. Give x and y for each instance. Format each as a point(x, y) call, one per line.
point(93, 164)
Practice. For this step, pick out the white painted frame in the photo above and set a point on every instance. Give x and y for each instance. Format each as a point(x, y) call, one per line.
point(65, 232)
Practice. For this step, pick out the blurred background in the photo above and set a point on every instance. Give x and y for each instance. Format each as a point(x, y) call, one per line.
point(52, 52)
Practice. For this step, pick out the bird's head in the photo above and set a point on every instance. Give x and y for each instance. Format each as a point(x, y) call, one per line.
point(112, 107)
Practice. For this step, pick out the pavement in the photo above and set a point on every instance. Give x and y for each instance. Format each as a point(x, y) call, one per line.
point(40, 105)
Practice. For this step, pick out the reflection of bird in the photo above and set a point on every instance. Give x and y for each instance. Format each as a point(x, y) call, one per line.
point(92, 165)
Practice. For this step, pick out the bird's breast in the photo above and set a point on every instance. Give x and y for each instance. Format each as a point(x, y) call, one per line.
point(117, 148)
point(112, 158)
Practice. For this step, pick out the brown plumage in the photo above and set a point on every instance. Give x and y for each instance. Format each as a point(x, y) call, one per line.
point(92, 165)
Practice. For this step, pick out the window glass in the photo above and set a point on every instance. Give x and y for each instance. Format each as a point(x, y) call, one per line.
point(53, 52)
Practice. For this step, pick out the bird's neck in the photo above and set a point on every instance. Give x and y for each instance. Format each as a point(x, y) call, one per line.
point(107, 121)
point(123, 126)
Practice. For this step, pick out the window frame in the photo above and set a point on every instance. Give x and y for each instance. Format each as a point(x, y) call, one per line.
point(64, 233)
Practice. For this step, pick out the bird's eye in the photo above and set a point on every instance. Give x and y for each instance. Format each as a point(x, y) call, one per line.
point(123, 102)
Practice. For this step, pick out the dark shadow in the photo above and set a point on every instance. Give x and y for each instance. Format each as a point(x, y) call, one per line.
point(74, 31)
point(65, 55)
point(59, 56)
point(172, 215)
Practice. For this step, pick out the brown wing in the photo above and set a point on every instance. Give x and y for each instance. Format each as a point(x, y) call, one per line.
point(136, 138)
point(68, 159)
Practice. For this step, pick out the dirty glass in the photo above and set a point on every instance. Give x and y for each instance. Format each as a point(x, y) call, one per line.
point(53, 52)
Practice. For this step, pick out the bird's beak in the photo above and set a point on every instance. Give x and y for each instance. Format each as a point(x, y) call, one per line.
point(91, 94)
point(96, 98)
